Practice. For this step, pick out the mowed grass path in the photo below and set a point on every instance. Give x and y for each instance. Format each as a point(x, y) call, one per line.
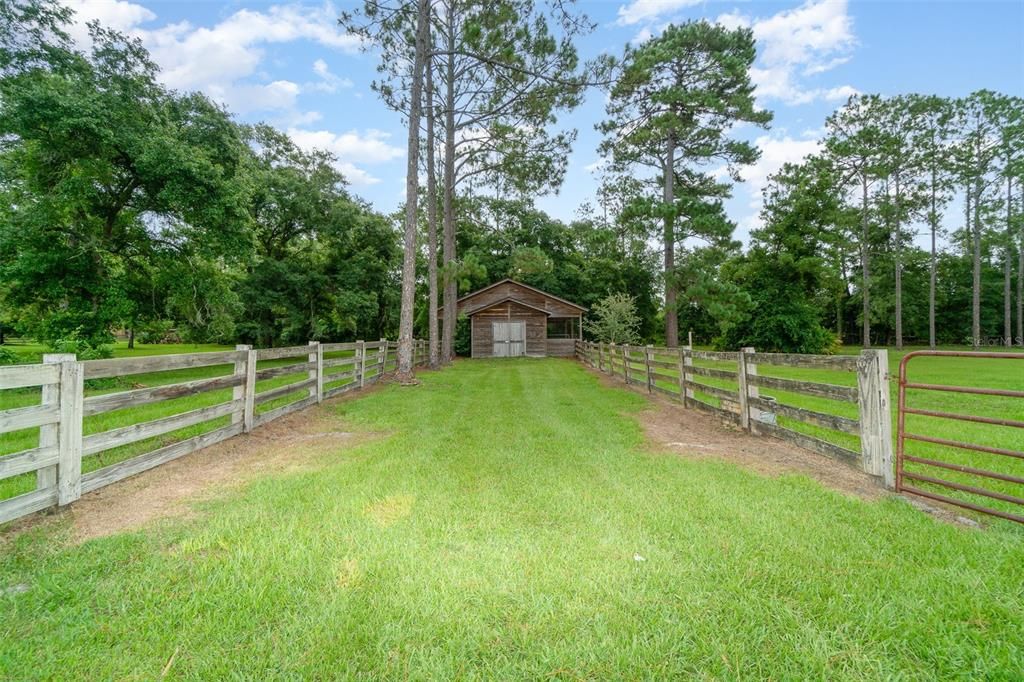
point(509, 522)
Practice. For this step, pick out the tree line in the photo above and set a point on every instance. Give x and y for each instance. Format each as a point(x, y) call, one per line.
point(836, 253)
point(126, 205)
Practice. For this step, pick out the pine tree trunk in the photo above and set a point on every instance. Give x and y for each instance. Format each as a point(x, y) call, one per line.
point(865, 294)
point(432, 311)
point(451, 291)
point(1008, 270)
point(933, 221)
point(899, 271)
point(1020, 282)
point(976, 270)
point(1020, 290)
point(405, 342)
point(671, 309)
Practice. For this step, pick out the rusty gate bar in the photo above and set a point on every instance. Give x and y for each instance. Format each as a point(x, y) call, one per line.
point(902, 436)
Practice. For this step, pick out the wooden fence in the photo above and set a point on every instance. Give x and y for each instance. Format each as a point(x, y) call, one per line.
point(728, 384)
point(316, 371)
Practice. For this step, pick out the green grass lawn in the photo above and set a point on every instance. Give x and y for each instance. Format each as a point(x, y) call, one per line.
point(508, 522)
point(986, 373)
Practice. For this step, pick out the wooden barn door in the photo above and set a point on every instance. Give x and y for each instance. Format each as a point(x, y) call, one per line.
point(509, 339)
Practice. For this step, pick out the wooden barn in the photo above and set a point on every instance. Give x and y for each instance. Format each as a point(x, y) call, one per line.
point(509, 319)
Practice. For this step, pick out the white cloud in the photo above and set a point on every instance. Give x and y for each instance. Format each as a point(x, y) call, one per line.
point(734, 20)
point(243, 99)
point(809, 40)
point(841, 94)
point(370, 147)
point(642, 36)
point(328, 82)
point(775, 153)
point(212, 59)
point(116, 14)
point(646, 10)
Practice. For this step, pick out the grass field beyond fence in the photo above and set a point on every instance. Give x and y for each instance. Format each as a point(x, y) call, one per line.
point(507, 521)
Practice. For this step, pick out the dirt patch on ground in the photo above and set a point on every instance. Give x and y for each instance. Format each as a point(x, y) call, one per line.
point(687, 432)
point(671, 427)
point(291, 443)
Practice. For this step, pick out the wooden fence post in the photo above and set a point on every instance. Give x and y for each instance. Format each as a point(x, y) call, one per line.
point(688, 376)
point(743, 369)
point(875, 414)
point(69, 438)
point(238, 392)
point(49, 434)
point(382, 358)
point(625, 362)
point(68, 395)
point(249, 411)
point(682, 376)
point(361, 363)
point(752, 390)
point(647, 366)
point(316, 357)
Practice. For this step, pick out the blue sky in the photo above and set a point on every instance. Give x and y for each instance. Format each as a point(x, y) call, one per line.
point(289, 64)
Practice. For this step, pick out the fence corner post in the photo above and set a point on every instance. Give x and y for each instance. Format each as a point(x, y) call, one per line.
point(681, 368)
point(67, 395)
point(248, 388)
point(875, 414)
point(647, 366)
point(688, 394)
point(241, 376)
point(49, 434)
point(316, 358)
point(361, 363)
point(746, 368)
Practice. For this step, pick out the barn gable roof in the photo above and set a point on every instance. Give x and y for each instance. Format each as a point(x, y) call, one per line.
point(490, 304)
point(462, 301)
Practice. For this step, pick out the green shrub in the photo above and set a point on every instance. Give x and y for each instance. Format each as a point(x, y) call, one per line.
point(82, 348)
point(9, 357)
point(158, 331)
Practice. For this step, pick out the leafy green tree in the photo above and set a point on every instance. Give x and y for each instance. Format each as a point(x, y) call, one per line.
point(975, 154)
point(852, 144)
point(503, 72)
point(905, 190)
point(934, 117)
point(785, 269)
point(401, 32)
point(614, 319)
point(107, 174)
point(671, 110)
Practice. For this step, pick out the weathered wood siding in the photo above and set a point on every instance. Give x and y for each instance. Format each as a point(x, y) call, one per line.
point(520, 293)
point(561, 348)
point(483, 336)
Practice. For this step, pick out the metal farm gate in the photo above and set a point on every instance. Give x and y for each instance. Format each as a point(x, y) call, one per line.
point(940, 463)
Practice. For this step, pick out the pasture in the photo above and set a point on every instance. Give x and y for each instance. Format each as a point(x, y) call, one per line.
point(478, 534)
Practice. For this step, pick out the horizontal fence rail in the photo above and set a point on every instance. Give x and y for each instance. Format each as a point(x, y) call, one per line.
point(730, 385)
point(254, 387)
